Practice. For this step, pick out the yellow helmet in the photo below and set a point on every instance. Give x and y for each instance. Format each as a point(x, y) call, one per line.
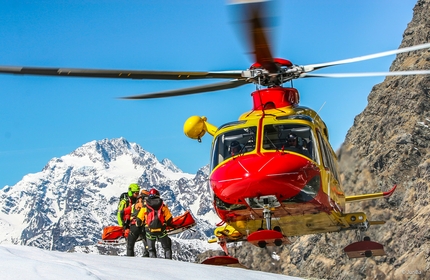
point(133, 188)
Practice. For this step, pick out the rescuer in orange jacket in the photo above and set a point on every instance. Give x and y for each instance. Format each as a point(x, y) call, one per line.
point(136, 230)
point(156, 217)
point(128, 208)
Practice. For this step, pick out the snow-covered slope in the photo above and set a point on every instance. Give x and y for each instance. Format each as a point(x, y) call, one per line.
point(22, 262)
point(69, 202)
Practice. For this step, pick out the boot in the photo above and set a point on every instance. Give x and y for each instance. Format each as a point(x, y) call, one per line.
point(168, 254)
point(145, 248)
point(166, 243)
point(152, 254)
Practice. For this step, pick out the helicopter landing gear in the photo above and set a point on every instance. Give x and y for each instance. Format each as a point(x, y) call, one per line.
point(267, 215)
point(221, 260)
point(225, 260)
point(267, 237)
point(262, 244)
point(364, 249)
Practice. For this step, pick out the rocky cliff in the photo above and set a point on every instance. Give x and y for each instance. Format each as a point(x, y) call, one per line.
point(388, 144)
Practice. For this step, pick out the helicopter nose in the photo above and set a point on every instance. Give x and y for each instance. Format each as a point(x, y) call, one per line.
point(282, 175)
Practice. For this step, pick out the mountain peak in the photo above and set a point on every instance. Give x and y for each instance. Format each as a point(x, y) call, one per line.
point(170, 165)
point(69, 202)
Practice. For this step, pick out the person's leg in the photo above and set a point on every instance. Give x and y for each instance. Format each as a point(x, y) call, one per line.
point(131, 239)
point(151, 246)
point(166, 243)
point(145, 244)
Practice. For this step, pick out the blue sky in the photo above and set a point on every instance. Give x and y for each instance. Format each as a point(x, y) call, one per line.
point(46, 117)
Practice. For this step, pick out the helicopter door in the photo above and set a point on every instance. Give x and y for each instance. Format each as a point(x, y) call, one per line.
point(329, 162)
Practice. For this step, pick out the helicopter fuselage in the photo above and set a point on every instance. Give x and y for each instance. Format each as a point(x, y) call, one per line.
point(254, 166)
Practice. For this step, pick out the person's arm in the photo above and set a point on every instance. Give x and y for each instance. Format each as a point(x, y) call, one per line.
point(167, 216)
point(140, 218)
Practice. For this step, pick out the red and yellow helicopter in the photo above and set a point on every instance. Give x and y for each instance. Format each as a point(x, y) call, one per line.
point(273, 172)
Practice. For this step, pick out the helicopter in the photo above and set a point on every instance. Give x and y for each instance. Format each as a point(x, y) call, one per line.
point(265, 190)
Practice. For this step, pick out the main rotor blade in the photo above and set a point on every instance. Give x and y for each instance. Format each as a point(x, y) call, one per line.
point(262, 50)
point(365, 74)
point(191, 90)
point(312, 67)
point(122, 74)
point(256, 18)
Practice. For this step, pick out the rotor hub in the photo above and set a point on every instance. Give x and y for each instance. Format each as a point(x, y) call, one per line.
point(286, 71)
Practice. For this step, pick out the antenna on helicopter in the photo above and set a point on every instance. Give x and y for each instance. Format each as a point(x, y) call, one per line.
point(321, 107)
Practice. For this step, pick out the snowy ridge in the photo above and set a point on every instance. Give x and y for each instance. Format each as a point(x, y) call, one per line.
point(69, 202)
point(21, 261)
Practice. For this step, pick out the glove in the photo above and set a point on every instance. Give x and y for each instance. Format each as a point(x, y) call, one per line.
point(126, 232)
point(169, 223)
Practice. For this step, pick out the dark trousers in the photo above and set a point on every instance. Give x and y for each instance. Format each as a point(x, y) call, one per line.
point(133, 236)
point(165, 241)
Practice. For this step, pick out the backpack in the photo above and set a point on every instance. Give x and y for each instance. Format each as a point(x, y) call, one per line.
point(124, 196)
point(155, 219)
point(126, 212)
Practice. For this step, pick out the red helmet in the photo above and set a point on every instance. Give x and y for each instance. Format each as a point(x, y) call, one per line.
point(154, 193)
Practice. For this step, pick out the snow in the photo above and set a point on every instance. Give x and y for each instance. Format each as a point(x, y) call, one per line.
point(30, 262)
point(11, 227)
point(177, 175)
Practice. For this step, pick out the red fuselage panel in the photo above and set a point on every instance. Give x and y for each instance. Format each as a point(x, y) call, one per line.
point(277, 173)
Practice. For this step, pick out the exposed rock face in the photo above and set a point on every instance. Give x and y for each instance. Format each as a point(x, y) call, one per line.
point(388, 144)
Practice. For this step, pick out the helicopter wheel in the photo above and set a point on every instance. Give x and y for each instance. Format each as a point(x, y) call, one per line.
point(368, 254)
point(278, 242)
point(262, 244)
point(366, 238)
point(277, 228)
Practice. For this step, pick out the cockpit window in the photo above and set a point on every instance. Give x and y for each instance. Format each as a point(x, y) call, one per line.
point(233, 143)
point(290, 137)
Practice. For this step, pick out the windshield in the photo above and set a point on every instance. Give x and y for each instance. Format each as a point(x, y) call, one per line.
point(232, 143)
point(290, 137)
